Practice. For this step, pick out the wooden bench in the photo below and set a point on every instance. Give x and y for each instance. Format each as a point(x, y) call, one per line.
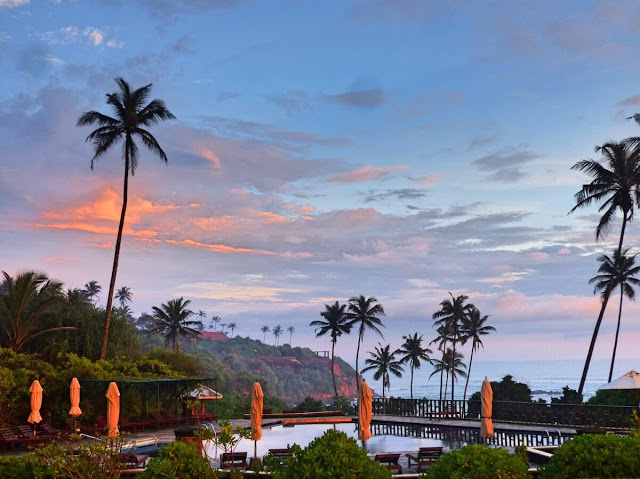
point(426, 456)
point(233, 460)
point(280, 453)
point(390, 461)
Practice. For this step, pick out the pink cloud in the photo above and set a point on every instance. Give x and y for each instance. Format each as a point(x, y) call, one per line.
point(218, 248)
point(429, 180)
point(211, 156)
point(365, 173)
point(538, 256)
point(564, 251)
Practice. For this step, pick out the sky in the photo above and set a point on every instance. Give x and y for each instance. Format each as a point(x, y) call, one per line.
point(400, 149)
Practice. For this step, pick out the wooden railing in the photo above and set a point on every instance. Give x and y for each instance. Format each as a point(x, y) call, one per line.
point(575, 415)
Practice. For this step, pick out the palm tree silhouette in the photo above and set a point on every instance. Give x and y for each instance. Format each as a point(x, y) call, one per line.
point(472, 328)
point(336, 324)
point(615, 183)
point(172, 321)
point(277, 332)
point(444, 336)
point(620, 271)
point(412, 352)
point(214, 322)
point(291, 330)
point(92, 289)
point(453, 365)
point(265, 330)
point(452, 312)
point(123, 295)
point(232, 326)
point(131, 116)
point(201, 314)
point(383, 362)
point(365, 312)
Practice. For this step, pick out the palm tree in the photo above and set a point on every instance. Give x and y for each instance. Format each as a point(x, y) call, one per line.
point(383, 362)
point(277, 332)
point(76, 296)
point(452, 364)
point(412, 352)
point(265, 329)
point(172, 321)
point(222, 326)
point(232, 326)
point(25, 300)
point(472, 328)
point(131, 118)
point(201, 314)
point(291, 330)
point(444, 335)
point(92, 289)
point(123, 295)
point(126, 313)
point(621, 272)
point(336, 323)
point(452, 312)
point(615, 184)
point(214, 322)
point(365, 312)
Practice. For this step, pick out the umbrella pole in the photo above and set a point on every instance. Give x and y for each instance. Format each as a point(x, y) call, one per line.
point(255, 448)
point(34, 429)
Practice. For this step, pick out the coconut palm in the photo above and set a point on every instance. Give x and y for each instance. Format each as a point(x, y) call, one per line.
point(131, 117)
point(201, 314)
point(123, 295)
point(473, 327)
point(25, 301)
point(364, 312)
point(232, 326)
point(222, 326)
point(265, 329)
point(452, 364)
point(172, 321)
point(277, 332)
point(92, 289)
point(452, 312)
point(383, 362)
point(621, 271)
point(444, 335)
point(214, 322)
point(336, 324)
point(126, 313)
point(291, 330)
point(615, 185)
point(413, 353)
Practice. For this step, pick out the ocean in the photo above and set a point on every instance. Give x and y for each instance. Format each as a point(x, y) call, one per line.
point(545, 377)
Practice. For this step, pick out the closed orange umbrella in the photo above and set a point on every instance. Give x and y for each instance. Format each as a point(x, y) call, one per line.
point(486, 397)
point(365, 411)
point(74, 395)
point(113, 410)
point(256, 415)
point(36, 403)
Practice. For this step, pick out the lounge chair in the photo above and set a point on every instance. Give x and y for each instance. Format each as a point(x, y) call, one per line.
point(130, 460)
point(390, 461)
point(10, 438)
point(426, 456)
point(236, 460)
point(280, 453)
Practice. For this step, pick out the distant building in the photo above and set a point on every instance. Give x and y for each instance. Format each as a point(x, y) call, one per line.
point(213, 335)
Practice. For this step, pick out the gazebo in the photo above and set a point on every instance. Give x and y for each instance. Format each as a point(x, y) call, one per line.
point(203, 393)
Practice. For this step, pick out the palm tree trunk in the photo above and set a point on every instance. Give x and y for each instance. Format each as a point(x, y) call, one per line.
point(615, 343)
point(357, 356)
point(411, 384)
point(333, 373)
point(441, 373)
point(473, 346)
point(116, 257)
point(605, 300)
point(455, 339)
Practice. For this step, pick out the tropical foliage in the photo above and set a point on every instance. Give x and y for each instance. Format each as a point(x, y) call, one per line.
point(383, 363)
point(413, 353)
point(364, 314)
point(172, 321)
point(473, 328)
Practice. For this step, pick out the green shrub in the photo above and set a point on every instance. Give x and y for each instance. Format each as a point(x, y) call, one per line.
point(595, 456)
point(334, 455)
point(178, 460)
point(21, 467)
point(478, 462)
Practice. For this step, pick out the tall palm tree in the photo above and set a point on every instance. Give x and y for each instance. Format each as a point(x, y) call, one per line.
point(615, 185)
point(123, 295)
point(201, 314)
point(131, 117)
point(473, 328)
point(92, 289)
point(364, 312)
point(214, 322)
point(265, 329)
point(444, 335)
point(336, 324)
point(452, 312)
point(413, 353)
point(25, 300)
point(453, 365)
point(232, 326)
point(383, 362)
point(172, 321)
point(621, 271)
point(222, 326)
point(291, 330)
point(277, 332)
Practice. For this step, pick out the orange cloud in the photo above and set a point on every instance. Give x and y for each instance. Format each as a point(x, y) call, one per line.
point(365, 173)
point(306, 209)
point(219, 248)
point(217, 223)
point(211, 156)
point(269, 217)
